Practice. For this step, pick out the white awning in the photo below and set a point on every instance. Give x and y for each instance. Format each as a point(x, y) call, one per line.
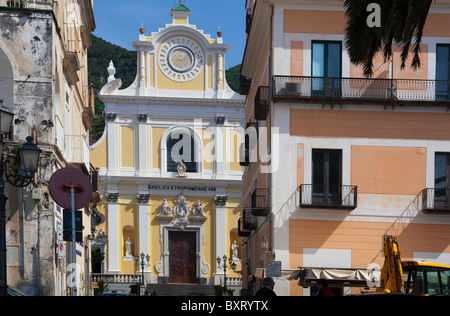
point(336, 277)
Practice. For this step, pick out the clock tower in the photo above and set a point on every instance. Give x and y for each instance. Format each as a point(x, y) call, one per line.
point(169, 158)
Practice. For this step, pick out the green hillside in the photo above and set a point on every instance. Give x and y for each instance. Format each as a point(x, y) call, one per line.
point(125, 61)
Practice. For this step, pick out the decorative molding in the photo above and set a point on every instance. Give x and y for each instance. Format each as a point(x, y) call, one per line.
point(182, 212)
point(143, 198)
point(221, 200)
point(111, 117)
point(142, 118)
point(220, 119)
point(166, 213)
point(112, 197)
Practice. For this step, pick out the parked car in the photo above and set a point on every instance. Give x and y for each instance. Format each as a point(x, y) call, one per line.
point(12, 291)
point(114, 293)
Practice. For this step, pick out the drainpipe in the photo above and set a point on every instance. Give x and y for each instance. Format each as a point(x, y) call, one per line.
point(271, 112)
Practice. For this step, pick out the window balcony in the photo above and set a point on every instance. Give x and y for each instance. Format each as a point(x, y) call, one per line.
point(328, 196)
point(260, 202)
point(435, 201)
point(14, 3)
point(262, 103)
point(242, 232)
point(249, 221)
point(407, 91)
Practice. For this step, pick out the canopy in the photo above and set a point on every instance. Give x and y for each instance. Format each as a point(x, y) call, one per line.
point(336, 277)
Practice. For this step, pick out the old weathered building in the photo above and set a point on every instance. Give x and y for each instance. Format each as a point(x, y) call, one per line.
point(43, 80)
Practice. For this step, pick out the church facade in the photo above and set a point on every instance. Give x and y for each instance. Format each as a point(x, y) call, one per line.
point(169, 159)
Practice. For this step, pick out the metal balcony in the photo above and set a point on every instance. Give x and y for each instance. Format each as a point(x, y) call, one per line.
point(405, 91)
point(328, 196)
point(249, 221)
point(260, 202)
point(242, 232)
point(262, 103)
point(435, 201)
point(14, 3)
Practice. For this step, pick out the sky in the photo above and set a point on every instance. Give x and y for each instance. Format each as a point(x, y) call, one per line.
point(119, 21)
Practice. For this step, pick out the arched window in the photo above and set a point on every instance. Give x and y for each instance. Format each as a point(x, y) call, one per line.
point(181, 148)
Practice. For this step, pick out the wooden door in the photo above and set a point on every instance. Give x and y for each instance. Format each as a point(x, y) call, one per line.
point(182, 258)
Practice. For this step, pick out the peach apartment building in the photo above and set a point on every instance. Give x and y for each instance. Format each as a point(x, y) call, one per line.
point(352, 158)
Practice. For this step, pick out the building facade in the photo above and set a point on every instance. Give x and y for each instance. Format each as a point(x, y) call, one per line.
point(352, 158)
point(171, 179)
point(43, 80)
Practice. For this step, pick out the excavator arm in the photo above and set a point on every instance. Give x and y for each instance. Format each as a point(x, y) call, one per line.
point(391, 279)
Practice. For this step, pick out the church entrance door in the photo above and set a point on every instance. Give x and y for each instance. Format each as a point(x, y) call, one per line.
point(182, 257)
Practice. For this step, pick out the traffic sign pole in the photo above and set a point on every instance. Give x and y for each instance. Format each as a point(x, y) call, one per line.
point(74, 240)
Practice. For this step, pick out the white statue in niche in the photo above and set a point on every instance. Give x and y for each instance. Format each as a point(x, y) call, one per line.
point(234, 248)
point(128, 244)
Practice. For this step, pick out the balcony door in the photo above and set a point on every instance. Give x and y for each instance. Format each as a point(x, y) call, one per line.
point(326, 68)
point(327, 176)
point(443, 72)
point(441, 180)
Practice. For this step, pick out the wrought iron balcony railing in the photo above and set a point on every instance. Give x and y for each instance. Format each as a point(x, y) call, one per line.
point(241, 230)
point(362, 89)
point(328, 196)
point(14, 3)
point(262, 103)
point(435, 200)
point(249, 221)
point(260, 202)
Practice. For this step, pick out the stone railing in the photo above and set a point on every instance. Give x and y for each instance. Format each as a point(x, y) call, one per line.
point(117, 278)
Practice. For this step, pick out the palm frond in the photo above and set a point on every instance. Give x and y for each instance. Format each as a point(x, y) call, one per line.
point(402, 23)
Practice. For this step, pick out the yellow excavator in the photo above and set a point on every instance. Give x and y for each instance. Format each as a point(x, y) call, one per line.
point(411, 277)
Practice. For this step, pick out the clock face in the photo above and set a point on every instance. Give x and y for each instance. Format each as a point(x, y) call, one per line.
point(180, 59)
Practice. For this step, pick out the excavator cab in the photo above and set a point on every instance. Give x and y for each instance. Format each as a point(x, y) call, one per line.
point(426, 278)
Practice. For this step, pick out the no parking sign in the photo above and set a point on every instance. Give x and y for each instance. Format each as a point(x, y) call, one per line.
point(273, 269)
point(61, 250)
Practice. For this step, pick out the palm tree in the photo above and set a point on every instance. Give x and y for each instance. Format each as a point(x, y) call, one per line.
point(402, 23)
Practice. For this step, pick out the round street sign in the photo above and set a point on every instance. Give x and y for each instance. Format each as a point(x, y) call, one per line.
point(61, 182)
point(61, 250)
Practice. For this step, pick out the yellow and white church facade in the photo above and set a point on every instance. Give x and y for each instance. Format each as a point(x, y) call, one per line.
point(171, 182)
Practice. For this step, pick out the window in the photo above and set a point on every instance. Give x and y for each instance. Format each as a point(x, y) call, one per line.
point(326, 65)
point(441, 175)
point(326, 174)
point(181, 147)
point(443, 71)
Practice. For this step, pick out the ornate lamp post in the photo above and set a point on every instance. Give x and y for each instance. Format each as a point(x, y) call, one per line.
point(143, 264)
point(225, 267)
point(18, 175)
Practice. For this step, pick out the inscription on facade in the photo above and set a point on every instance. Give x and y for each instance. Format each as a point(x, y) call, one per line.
point(180, 188)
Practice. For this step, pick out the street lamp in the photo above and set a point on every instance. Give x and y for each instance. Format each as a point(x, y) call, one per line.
point(265, 246)
point(19, 176)
point(225, 267)
point(143, 264)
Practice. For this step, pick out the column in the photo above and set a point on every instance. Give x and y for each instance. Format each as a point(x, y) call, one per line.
point(142, 69)
point(144, 226)
point(143, 142)
point(219, 145)
point(114, 246)
point(221, 228)
point(111, 131)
